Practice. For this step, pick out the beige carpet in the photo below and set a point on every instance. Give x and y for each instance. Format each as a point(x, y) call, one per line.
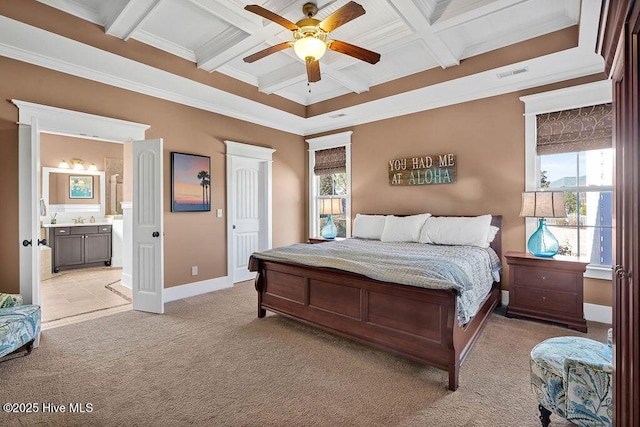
point(210, 362)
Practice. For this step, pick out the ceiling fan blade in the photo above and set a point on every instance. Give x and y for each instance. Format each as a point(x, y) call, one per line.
point(341, 16)
point(268, 51)
point(267, 14)
point(355, 51)
point(313, 70)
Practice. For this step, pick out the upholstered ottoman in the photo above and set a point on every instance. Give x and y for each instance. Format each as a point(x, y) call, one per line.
point(19, 324)
point(571, 377)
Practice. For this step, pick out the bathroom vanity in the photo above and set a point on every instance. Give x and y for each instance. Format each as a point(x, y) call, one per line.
point(79, 245)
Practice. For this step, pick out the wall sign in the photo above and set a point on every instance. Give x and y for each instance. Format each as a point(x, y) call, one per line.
point(425, 170)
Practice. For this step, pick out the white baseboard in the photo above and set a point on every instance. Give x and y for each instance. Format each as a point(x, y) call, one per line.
point(505, 298)
point(598, 313)
point(175, 293)
point(592, 312)
point(126, 280)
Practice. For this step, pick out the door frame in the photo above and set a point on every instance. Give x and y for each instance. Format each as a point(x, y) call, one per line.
point(59, 121)
point(265, 156)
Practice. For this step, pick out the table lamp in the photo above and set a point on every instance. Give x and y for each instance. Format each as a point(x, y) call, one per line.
point(542, 205)
point(330, 207)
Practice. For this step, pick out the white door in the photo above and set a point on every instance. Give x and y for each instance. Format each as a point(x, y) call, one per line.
point(29, 211)
point(246, 214)
point(148, 248)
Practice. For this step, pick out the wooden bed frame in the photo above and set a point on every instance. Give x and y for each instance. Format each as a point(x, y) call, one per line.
point(417, 323)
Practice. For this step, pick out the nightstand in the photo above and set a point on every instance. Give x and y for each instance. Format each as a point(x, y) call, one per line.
point(314, 240)
point(547, 289)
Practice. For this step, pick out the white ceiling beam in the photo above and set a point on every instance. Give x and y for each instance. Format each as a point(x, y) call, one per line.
point(288, 76)
point(473, 14)
point(282, 78)
point(415, 19)
point(232, 11)
point(130, 18)
point(589, 19)
point(80, 10)
point(216, 53)
point(349, 79)
point(221, 50)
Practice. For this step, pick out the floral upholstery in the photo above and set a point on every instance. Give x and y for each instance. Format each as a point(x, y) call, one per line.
point(9, 300)
point(571, 377)
point(19, 324)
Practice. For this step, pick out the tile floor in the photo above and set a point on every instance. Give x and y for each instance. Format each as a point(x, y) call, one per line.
point(77, 295)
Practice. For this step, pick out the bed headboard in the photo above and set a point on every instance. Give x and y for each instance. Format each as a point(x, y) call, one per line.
point(496, 245)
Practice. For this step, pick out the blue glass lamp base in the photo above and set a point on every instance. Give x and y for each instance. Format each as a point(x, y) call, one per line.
point(543, 243)
point(329, 230)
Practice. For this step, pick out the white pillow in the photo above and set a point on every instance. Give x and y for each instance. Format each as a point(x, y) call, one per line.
point(493, 230)
point(473, 231)
point(368, 226)
point(403, 229)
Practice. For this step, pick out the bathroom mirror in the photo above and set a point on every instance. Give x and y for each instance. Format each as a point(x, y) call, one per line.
point(65, 190)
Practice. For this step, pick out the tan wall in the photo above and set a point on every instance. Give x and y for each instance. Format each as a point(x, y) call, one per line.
point(197, 238)
point(486, 135)
point(55, 148)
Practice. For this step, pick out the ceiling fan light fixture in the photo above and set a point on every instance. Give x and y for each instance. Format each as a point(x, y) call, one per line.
point(309, 47)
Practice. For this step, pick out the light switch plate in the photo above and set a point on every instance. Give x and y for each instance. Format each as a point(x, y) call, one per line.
point(194, 270)
point(219, 213)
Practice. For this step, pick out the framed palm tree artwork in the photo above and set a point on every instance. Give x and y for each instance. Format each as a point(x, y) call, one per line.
point(190, 183)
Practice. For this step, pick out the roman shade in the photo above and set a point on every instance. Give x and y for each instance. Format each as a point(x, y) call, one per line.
point(580, 129)
point(331, 160)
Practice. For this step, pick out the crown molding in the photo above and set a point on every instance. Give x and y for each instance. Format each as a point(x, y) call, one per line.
point(36, 46)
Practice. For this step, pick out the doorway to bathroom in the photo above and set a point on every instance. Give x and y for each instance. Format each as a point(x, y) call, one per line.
point(142, 260)
point(82, 191)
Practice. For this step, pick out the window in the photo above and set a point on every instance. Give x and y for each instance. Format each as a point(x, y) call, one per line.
point(586, 177)
point(581, 168)
point(331, 200)
point(330, 182)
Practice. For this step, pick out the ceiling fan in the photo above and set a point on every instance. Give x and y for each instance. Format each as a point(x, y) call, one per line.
point(310, 36)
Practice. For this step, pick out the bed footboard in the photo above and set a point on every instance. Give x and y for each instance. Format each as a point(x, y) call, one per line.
point(417, 323)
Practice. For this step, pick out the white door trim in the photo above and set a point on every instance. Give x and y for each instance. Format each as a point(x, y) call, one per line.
point(28, 210)
point(237, 149)
point(63, 122)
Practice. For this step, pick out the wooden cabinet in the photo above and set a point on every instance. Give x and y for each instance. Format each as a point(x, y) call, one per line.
point(547, 289)
point(80, 246)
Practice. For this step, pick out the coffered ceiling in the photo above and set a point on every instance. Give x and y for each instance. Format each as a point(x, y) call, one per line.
point(411, 35)
point(417, 39)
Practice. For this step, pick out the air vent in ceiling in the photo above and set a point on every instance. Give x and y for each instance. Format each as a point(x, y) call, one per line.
point(513, 72)
point(337, 116)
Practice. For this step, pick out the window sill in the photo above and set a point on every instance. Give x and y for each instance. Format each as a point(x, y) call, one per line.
point(603, 273)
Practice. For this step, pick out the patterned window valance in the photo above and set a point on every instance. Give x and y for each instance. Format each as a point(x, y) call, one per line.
point(580, 129)
point(331, 160)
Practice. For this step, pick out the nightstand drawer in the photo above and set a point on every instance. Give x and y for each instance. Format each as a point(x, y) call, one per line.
point(545, 279)
point(545, 300)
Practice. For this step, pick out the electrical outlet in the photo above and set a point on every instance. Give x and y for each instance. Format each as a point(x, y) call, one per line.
point(194, 270)
point(219, 213)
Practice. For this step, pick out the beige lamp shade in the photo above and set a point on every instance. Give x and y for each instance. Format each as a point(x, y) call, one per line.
point(543, 204)
point(330, 206)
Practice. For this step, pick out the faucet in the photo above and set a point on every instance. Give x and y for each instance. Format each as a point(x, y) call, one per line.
point(78, 220)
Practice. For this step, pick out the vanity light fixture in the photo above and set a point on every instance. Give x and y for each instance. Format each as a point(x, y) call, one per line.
point(63, 165)
point(92, 167)
point(77, 165)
